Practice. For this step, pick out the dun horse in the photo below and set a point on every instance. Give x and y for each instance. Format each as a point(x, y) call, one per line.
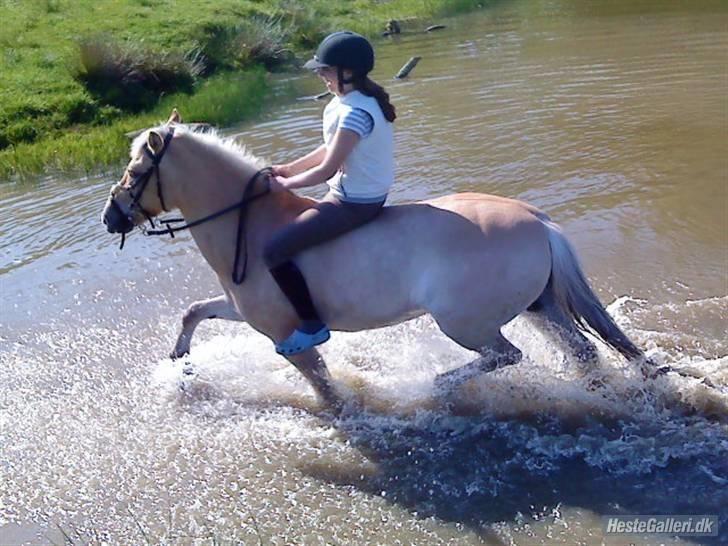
point(472, 261)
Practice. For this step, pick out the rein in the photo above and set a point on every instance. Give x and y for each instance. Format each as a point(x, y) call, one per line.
point(241, 206)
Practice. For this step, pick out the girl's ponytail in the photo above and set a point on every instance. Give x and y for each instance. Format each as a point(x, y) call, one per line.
point(373, 89)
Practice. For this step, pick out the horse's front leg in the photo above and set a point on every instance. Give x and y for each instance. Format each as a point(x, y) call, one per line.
point(312, 366)
point(219, 307)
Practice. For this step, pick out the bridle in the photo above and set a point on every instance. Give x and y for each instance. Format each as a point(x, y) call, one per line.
point(139, 184)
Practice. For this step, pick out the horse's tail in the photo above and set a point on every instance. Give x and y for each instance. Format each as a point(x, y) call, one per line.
point(573, 294)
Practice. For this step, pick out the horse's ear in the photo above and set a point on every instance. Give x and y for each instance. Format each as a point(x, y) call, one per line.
point(174, 117)
point(155, 142)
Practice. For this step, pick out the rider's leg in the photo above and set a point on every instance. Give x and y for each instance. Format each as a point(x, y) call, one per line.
point(291, 282)
point(327, 220)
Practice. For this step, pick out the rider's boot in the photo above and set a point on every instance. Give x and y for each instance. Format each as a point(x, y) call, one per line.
point(312, 330)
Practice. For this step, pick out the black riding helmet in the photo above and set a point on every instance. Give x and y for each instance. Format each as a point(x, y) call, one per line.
point(344, 49)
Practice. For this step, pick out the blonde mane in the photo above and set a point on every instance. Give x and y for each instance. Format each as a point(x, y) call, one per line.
point(226, 147)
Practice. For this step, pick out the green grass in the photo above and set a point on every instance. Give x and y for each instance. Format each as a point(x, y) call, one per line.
point(56, 113)
point(221, 100)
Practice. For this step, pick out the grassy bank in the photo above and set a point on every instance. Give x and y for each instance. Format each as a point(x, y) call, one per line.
point(78, 74)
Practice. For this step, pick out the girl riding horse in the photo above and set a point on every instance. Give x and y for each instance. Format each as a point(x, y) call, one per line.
point(356, 161)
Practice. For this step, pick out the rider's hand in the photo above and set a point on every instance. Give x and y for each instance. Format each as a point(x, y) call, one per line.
point(277, 183)
point(281, 170)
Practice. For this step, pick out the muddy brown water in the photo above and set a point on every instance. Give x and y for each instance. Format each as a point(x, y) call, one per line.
point(611, 116)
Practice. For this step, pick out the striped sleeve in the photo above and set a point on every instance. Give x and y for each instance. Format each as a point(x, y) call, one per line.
point(357, 120)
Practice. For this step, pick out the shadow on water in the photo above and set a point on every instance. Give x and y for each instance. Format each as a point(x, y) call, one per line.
point(479, 471)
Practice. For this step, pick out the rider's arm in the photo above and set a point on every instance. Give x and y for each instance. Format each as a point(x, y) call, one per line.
point(308, 161)
point(341, 146)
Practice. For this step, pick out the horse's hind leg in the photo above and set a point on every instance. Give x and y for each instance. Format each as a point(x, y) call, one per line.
point(552, 320)
point(495, 352)
point(219, 307)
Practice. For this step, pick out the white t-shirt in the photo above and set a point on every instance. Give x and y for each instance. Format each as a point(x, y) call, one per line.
point(368, 172)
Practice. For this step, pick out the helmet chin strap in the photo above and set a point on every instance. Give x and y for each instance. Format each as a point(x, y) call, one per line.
point(341, 79)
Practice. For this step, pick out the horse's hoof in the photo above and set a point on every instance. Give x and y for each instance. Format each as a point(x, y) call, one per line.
point(335, 405)
point(338, 399)
point(663, 370)
point(443, 385)
point(656, 371)
point(447, 382)
point(188, 376)
point(331, 405)
point(175, 354)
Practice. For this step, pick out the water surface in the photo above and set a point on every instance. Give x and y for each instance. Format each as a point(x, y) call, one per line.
point(611, 116)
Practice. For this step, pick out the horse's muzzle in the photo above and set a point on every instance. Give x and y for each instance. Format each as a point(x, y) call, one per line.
point(115, 220)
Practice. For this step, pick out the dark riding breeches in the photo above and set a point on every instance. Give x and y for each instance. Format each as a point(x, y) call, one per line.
point(325, 221)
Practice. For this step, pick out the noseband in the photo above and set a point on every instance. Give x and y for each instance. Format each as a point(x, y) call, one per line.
point(139, 184)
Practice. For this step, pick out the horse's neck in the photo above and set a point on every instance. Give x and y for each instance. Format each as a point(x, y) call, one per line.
point(208, 184)
point(218, 240)
point(207, 181)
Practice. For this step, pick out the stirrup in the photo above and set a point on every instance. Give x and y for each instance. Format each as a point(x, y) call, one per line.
point(299, 341)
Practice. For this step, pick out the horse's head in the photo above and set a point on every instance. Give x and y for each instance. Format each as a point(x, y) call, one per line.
point(139, 195)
